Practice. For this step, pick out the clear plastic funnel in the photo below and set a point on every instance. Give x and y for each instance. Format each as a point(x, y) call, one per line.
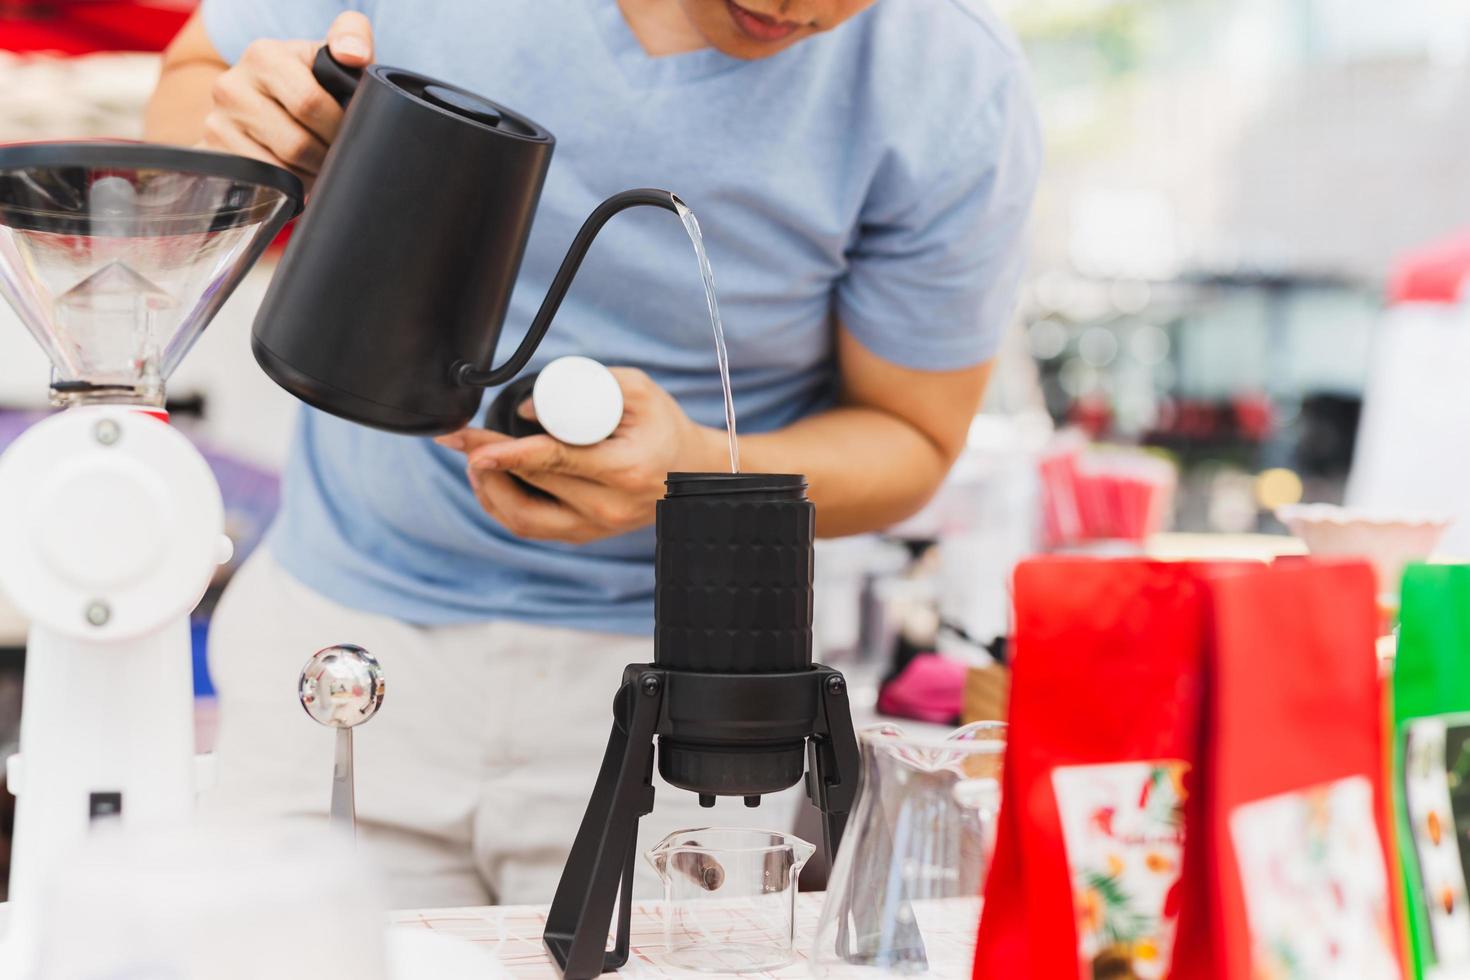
point(117, 255)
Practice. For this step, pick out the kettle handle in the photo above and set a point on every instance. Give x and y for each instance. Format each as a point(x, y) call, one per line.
point(339, 80)
point(467, 374)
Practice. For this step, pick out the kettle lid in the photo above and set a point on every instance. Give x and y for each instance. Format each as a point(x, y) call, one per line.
point(460, 103)
point(464, 104)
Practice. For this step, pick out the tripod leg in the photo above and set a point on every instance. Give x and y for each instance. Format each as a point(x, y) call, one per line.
point(834, 765)
point(602, 856)
point(619, 953)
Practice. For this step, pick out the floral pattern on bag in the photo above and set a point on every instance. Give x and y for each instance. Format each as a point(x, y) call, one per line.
point(1316, 894)
point(1123, 824)
point(1437, 798)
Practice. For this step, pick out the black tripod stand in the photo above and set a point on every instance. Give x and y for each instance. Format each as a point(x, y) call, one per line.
point(720, 734)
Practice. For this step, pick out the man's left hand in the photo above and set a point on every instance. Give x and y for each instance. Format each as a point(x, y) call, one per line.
point(597, 491)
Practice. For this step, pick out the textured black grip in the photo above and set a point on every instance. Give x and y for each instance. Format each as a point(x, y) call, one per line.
point(733, 564)
point(339, 80)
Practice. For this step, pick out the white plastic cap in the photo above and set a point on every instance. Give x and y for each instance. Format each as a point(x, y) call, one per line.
point(578, 401)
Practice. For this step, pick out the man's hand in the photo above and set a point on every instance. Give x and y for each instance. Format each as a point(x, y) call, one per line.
point(598, 491)
point(270, 107)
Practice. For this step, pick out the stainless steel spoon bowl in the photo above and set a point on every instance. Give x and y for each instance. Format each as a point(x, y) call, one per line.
point(341, 687)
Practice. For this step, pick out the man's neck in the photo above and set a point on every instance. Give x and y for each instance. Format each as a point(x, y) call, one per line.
point(661, 27)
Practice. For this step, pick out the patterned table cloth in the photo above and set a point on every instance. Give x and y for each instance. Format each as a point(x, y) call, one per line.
point(513, 933)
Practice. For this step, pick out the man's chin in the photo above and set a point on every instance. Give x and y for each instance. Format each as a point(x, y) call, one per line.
point(737, 45)
point(722, 30)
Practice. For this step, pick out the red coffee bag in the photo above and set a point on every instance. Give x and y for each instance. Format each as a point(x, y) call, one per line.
point(1104, 726)
point(1287, 873)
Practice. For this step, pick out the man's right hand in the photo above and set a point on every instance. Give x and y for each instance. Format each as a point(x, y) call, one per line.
point(269, 105)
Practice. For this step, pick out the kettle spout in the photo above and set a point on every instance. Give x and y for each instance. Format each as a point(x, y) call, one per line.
point(468, 374)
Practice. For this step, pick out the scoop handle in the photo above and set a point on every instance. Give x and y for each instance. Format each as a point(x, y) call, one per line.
point(344, 805)
point(339, 80)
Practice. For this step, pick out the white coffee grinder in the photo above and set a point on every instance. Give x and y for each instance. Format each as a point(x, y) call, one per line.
point(115, 256)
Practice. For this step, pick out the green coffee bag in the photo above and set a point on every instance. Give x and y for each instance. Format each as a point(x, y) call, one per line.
point(1431, 715)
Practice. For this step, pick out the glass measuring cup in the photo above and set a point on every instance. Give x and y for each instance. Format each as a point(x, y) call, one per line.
point(904, 897)
point(729, 897)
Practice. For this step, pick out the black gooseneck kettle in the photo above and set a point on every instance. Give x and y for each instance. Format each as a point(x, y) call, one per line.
point(388, 304)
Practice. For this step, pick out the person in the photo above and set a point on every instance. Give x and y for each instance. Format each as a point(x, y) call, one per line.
point(863, 172)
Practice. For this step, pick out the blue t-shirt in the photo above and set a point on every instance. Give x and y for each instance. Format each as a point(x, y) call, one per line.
point(881, 172)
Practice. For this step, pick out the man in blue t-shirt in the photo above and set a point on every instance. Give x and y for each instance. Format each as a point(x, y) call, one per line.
point(862, 170)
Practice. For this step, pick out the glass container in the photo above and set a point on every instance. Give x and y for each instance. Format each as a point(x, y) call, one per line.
point(904, 898)
point(729, 898)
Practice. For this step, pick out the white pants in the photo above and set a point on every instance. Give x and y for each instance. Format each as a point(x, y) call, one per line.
point(472, 779)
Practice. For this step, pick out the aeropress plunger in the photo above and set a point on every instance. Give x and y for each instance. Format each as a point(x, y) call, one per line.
point(733, 698)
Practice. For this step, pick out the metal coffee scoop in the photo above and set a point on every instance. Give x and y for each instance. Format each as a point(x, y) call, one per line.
point(341, 687)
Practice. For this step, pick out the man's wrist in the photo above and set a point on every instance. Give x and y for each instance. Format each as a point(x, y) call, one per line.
point(707, 450)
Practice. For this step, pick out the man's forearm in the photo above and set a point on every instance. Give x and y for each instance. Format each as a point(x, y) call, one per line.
point(183, 96)
point(866, 469)
point(176, 112)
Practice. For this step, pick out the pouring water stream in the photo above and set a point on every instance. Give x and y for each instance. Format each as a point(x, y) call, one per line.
point(696, 238)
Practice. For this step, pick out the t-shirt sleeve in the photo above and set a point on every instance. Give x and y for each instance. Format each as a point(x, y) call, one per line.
point(233, 24)
point(934, 268)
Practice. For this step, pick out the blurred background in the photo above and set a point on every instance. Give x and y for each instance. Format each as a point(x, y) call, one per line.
point(1244, 293)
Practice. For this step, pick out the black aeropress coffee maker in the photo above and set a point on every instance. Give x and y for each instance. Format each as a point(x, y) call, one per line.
point(732, 696)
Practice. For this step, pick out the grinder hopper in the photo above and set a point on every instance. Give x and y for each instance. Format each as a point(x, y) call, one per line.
point(117, 255)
